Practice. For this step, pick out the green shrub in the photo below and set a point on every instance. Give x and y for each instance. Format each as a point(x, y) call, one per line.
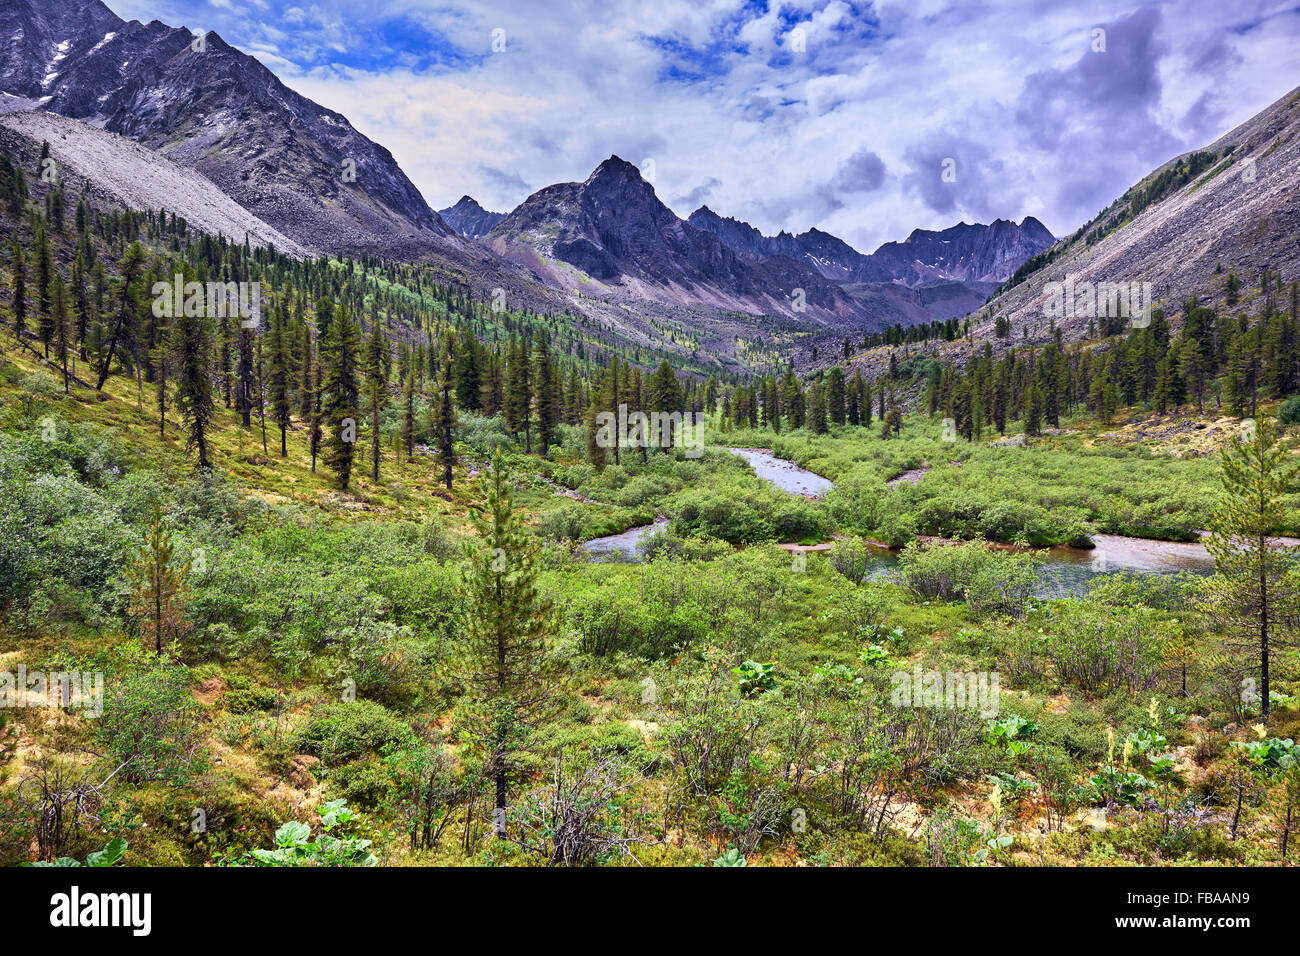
point(337, 733)
point(991, 581)
point(151, 723)
point(1288, 413)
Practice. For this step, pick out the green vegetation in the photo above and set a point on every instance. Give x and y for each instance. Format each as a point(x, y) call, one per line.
point(310, 657)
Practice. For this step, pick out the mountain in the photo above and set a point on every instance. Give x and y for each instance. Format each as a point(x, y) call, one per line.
point(121, 173)
point(611, 236)
point(965, 252)
point(470, 219)
point(1230, 207)
point(832, 257)
point(299, 167)
point(962, 253)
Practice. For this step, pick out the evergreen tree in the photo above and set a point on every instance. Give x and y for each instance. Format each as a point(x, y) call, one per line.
point(504, 621)
point(191, 349)
point(835, 394)
point(281, 374)
point(158, 594)
point(340, 395)
point(1253, 593)
point(407, 436)
point(127, 309)
point(18, 269)
point(545, 399)
point(376, 385)
point(307, 377)
point(595, 450)
point(665, 396)
point(817, 409)
point(519, 392)
point(442, 420)
point(44, 277)
point(60, 329)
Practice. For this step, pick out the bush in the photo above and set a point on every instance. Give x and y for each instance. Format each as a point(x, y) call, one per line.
point(1288, 413)
point(850, 558)
point(989, 580)
point(340, 732)
point(152, 723)
point(566, 523)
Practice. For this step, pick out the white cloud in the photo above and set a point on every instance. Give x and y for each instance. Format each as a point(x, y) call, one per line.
point(717, 98)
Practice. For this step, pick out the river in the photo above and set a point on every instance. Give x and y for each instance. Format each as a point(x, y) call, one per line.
point(1064, 571)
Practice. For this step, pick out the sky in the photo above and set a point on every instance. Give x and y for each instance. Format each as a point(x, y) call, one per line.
point(866, 120)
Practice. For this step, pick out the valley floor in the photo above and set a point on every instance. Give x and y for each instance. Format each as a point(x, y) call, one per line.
point(721, 702)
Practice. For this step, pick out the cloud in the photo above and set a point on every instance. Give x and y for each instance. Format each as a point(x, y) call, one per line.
point(844, 130)
point(862, 172)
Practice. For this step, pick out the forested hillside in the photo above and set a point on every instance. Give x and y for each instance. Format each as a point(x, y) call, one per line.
point(318, 573)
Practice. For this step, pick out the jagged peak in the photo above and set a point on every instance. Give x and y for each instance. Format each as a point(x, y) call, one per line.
point(615, 166)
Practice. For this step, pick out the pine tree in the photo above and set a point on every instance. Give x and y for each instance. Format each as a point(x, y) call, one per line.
point(315, 431)
point(18, 268)
point(191, 350)
point(817, 409)
point(1252, 593)
point(127, 309)
point(376, 385)
point(835, 394)
point(519, 392)
point(505, 621)
point(544, 397)
point(281, 374)
point(442, 420)
point(158, 593)
point(340, 396)
point(307, 378)
point(665, 397)
point(60, 329)
point(44, 278)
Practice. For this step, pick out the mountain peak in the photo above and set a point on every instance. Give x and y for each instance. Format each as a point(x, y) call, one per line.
point(615, 166)
point(469, 218)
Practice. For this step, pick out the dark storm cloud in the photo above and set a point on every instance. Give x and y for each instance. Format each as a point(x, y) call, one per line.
point(1102, 113)
point(863, 172)
point(696, 197)
point(501, 179)
point(954, 175)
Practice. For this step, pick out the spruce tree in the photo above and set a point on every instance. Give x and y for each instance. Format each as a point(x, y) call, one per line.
point(18, 269)
point(341, 394)
point(544, 397)
point(505, 621)
point(191, 353)
point(442, 420)
point(1252, 593)
point(376, 384)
